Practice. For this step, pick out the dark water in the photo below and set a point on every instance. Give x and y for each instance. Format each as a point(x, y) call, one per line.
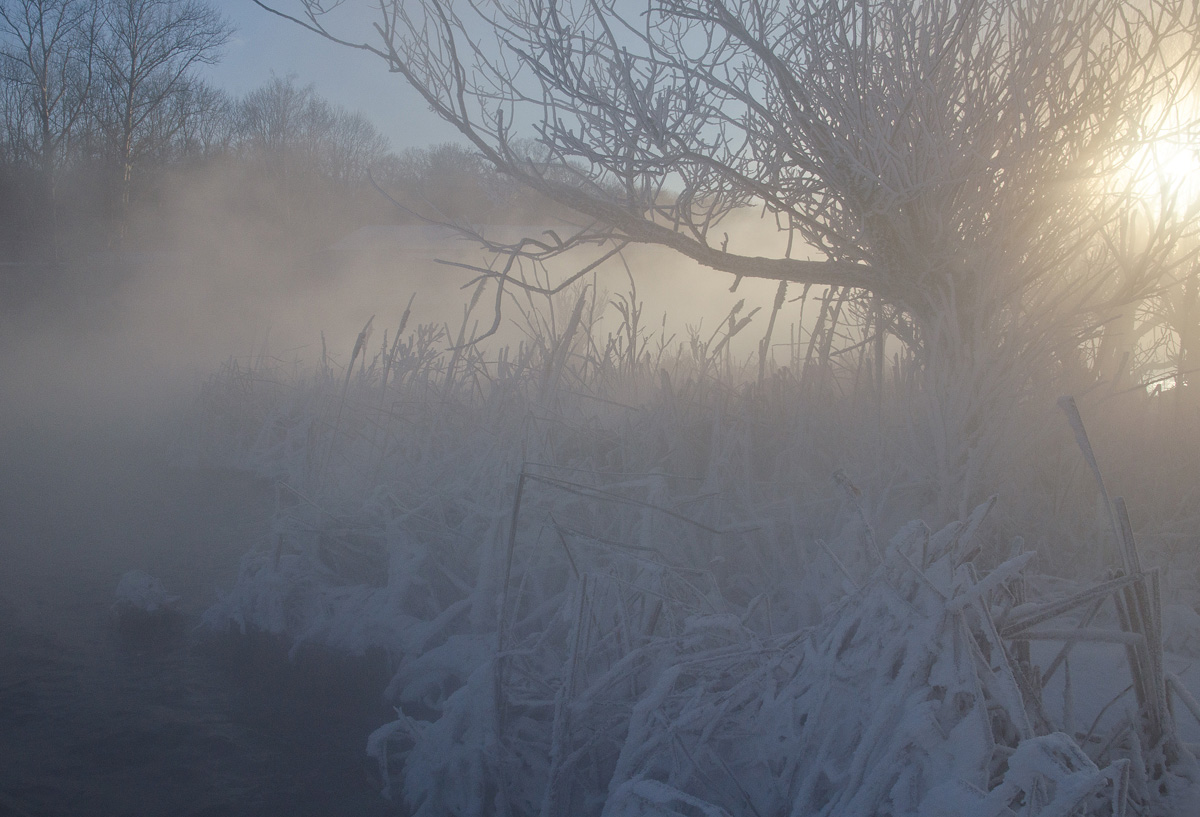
point(95, 722)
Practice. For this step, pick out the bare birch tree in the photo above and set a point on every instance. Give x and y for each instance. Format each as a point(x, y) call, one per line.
point(48, 49)
point(149, 52)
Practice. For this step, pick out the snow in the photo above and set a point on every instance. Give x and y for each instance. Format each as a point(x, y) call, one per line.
point(599, 607)
point(139, 591)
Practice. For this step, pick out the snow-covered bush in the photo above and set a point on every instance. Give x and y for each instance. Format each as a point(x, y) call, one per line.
point(139, 591)
point(610, 587)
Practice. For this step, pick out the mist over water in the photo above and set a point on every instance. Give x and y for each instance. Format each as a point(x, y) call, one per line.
point(101, 361)
point(668, 542)
point(104, 363)
point(97, 376)
point(91, 722)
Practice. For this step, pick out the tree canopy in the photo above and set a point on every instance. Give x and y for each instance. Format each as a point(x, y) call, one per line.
point(945, 155)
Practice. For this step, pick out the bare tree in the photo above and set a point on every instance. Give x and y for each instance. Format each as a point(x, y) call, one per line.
point(350, 145)
point(289, 127)
point(954, 158)
point(149, 52)
point(911, 144)
point(452, 183)
point(48, 49)
point(273, 120)
point(206, 121)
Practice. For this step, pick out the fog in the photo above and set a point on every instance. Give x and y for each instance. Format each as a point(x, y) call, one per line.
point(666, 543)
point(102, 358)
point(122, 339)
point(329, 538)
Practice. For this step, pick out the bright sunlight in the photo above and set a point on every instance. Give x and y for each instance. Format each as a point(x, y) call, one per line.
point(1165, 170)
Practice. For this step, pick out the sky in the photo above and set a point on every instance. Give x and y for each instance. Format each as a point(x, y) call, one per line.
point(266, 44)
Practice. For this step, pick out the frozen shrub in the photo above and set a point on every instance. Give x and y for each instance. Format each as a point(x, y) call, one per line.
point(615, 590)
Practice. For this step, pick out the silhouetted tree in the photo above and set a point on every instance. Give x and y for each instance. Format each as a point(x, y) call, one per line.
point(48, 53)
point(953, 158)
point(911, 145)
point(292, 130)
point(47, 56)
point(148, 55)
point(206, 124)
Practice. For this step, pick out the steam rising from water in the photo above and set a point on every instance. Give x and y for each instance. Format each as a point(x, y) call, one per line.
point(121, 339)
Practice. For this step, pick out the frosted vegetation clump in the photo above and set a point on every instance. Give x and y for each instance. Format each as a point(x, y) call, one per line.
point(619, 574)
point(142, 592)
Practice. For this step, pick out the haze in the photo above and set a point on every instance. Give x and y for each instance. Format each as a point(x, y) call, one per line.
point(278, 539)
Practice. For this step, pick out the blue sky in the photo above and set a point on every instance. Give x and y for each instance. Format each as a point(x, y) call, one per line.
point(265, 43)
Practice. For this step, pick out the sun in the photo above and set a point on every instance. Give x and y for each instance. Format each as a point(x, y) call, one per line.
point(1164, 172)
point(1170, 174)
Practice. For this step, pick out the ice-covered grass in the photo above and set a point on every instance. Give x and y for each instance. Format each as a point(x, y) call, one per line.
point(619, 578)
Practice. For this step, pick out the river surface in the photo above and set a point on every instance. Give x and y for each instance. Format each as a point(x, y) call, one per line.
point(94, 722)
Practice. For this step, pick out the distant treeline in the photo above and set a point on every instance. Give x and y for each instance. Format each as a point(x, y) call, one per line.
point(107, 126)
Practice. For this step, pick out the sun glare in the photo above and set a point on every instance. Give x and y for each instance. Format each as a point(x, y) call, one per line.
point(1168, 172)
point(1165, 171)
